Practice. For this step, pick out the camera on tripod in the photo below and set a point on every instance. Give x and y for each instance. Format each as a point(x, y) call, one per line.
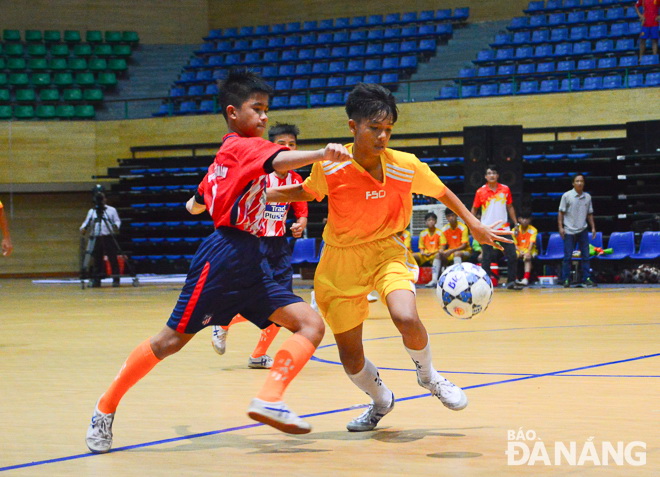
point(98, 196)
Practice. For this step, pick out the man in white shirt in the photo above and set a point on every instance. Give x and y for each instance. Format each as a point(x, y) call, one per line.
point(103, 229)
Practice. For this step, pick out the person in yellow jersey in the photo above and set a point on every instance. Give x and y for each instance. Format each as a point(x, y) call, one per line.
point(429, 248)
point(454, 242)
point(407, 238)
point(369, 204)
point(524, 236)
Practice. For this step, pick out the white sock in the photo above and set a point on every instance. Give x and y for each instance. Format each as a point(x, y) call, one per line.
point(368, 380)
point(457, 259)
point(423, 361)
point(436, 269)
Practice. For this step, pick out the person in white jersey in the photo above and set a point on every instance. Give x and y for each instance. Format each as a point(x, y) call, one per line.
point(274, 246)
point(494, 201)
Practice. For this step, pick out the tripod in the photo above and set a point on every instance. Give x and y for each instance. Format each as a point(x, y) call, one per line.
point(93, 231)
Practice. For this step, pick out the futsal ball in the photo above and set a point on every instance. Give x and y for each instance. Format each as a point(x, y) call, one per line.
point(464, 290)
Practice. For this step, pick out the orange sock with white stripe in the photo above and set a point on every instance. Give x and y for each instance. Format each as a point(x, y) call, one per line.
point(141, 360)
point(289, 360)
point(266, 338)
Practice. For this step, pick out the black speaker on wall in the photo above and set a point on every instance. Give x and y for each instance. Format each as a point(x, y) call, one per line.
point(499, 145)
point(642, 137)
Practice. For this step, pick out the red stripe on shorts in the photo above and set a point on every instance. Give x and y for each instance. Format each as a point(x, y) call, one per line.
point(181, 328)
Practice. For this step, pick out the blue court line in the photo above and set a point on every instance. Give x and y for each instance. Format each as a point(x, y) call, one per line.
point(334, 411)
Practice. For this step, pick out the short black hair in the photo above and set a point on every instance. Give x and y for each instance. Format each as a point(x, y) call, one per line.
point(283, 128)
point(448, 211)
point(430, 215)
point(525, 213)
point(492, 167)
point(575, 176)
point(370, 101)
point(239, 85)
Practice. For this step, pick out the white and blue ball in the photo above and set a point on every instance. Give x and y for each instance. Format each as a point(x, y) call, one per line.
point(464, 290)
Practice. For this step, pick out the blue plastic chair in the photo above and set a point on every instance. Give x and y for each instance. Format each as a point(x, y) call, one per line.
point(414, 243)
point(554, 249)
point(623, 245)
point(304, 251)
point(649, 247)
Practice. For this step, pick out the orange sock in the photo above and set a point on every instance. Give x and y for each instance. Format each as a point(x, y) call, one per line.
point(266, 338)
point(137, 365)
point(289, 360)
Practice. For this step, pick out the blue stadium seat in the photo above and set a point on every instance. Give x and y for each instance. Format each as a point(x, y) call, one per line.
point(612, 82)
point(649, 60)
point(485, 55)
point(623, 245)
point(461, 14)
point(556, 19)
point(196, 90)
point(634, 28)
point(426, 16)
point(575, 17)
point(334, 99)
point(359, 22)
point(448, 92)
point(649, 247)
point(289, 55)
point(578, 33)
point(279, 102)
point(582, 48)
point(392, 18)
point(528, 87)
point(375, 20)
point(310, 25)
point(570, 4)
point(597, 32)
point(604, 46)
point(373, 64)
point(303, 69)
point(540, 36)
point(409, 62)
point(614, 14)
point(390, 78)
point(549, 86)
point(572, 84)
point(501, 39)
point(586, 64)
point(607, 63)
point(336, 81)
point(372, 78)
point(652, 80)
point(354, 66)
point(374, 49)
point(409, 46)
point(409, 31)
point(298, 101)
point(339, 52)
point(409, 17)
point(392, 34)
point(318, 82)
point(526, 68)
point(269, 71)
point(635, 80)
point(327, 24)
point(521, 38)
point(322, 53)
point(535, 6)
point(624, 44)
point(391, 48)
point(504, 54)
point(316, 100)
point(278, 29)
point(592, 83)
point(375, 35)
point(553, 5)
point(618, 30)
point(558, 35)
point(546, 67)
point(300, 83)
point(467, 73)
point(566, 65)
point(564, 49)
point(390, 63)
point(426, 30)
point(356, 50)
point(524, 52)
point(543, 51)
point(554, 249)
point(177, 92)
point(538, 21)
point(486, 71)
point(188, 107)
point(595, 16)
point(506, 70)
point(427, 45)
point(286, 70)
point(337, 67)
point(320, 68)
point(468, 91)
point(506, 89)
point(518, 23)
point(488, 90)
point(352, 80)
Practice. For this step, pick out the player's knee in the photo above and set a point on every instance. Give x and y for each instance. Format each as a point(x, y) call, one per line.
point(406, 321)
point(311, 326)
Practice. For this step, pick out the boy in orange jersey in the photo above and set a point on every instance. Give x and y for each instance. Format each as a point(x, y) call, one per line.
point(524, 236)
point(429, 248)
point(454, 240)
point(369, 204)
point(226, 275)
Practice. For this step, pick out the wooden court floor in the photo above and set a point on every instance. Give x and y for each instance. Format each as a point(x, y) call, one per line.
point(544, 369)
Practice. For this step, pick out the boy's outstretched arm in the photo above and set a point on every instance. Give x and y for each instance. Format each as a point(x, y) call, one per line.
point(288, 160)
point(484, 234)
point(289, 193)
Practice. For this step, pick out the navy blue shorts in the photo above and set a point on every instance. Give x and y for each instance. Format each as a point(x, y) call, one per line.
point(277, 255)
point(228, 276)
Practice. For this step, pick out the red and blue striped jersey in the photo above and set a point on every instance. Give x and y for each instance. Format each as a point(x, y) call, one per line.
point(274, 223)
point(234, 188)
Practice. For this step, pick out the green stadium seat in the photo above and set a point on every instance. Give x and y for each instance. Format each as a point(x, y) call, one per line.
point(65, 111)
point(18, 79)
point(103, 50)
point(85, 79)
point(118, 65)
point(46, 111)
point(49, 95)
point(72, 95)
point(3, 63)
point(59, 49)
point(83, 50)
point(52, 36)
point(85, 111)
point(11, 35)
point(37, 64)
point(113, 37)
point(122, 50)
point(57, 64)
point(107, 79)
point(24, 111)
point(40, 79)
point(14, 49)
point(77, 64)
point(98, 64)
point(25, 95)
point(72, 36)
point(130, 37)
point(16, 64)
point(93, 95)
point(3, 79)
point(36, 49)
point(93, 36)
point(32, 36)
point(1, 48)
point(5, 112)
point(63, 79)
point(4, 96)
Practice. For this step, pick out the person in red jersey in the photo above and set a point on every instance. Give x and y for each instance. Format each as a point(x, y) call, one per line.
point(226, 275)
